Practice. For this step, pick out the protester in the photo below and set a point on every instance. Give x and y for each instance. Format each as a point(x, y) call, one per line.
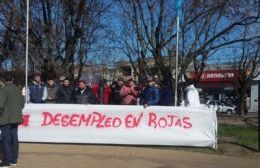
point(192, 96)
point(51, 91)
point(115, 94)
point(128, 93)
point(11, 104)
point(65, 93)
point(166, 94)
point(84, 95)
point(96, 91)
point(150, 95)
point(61, 80)
point(106, 92)
point(37, 92)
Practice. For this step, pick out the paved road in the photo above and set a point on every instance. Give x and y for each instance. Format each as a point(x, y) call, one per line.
point(91, 156)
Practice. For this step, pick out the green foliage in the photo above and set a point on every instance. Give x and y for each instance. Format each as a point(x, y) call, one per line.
point(243, 135)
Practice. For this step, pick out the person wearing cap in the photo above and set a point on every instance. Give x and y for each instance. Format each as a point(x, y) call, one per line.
point(11, 105)
point(150, 95)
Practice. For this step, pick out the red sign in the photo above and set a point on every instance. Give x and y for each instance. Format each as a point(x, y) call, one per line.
point(216, 76)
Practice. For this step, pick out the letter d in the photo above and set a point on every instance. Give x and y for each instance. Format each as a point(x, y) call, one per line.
point(47, 118)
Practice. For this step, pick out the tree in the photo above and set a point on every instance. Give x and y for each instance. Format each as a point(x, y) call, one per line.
point(248, 69)
point(61, 32)
point(207, 26)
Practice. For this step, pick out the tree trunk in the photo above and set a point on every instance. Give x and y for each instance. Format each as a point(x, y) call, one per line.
point(242, 100)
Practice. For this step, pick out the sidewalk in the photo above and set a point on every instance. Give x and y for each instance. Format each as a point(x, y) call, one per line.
point(92, 156)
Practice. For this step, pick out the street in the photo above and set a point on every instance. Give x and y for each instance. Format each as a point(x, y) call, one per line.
point(101, 156)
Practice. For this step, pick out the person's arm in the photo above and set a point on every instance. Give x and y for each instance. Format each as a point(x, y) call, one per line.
point(92, 97)
point(124, 91)
point(58, 95)
point(2, 101)
point(45, 94)
point(28, 94)
point(133, 91)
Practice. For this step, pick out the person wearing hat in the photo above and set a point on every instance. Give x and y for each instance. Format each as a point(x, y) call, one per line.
point(11, 105)
point(150, 95)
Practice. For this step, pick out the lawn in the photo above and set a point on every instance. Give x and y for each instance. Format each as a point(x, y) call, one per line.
point(241, 135)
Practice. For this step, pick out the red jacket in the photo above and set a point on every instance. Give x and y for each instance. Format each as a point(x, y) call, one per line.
point(95, 90)
point(107, 93)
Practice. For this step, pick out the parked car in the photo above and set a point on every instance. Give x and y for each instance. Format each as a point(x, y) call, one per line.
point(221, 106)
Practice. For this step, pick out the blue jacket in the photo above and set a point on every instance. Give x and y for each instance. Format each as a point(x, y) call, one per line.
point(36, 93)
point(151, 96)
point(166, 96)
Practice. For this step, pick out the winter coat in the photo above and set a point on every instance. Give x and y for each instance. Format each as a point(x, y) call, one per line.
point(107, 93)
point(11, 105)
point(115, 97)
point(51, 91)
point(95, 90)
point(129, 95)
point(65, 95)
point(85, 97)
point(150, 96)
point(37, 93)
point(166, 96)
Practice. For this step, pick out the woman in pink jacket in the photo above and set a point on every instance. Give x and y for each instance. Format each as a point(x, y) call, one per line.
point(128, 93)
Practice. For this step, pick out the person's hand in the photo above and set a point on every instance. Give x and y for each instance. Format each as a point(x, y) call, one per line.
point(50, 98)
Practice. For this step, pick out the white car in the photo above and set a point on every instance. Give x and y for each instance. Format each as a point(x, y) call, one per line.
point(221, 106)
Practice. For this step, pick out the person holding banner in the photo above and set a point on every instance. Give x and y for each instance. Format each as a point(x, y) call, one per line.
point(11, 105)
point(65, 93)
point(37, 91)
point(84, 94)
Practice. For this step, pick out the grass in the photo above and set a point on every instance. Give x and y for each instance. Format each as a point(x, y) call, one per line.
point(241, 135)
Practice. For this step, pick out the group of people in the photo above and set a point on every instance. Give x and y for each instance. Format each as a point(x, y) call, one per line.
point(120, 92)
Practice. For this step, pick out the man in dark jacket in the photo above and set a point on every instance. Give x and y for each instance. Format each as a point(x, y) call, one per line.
point(37, 90)
point(115, 91)
point(51, 91)
point(84, 95)
point(150, 95)
point(11, 104)
point(65, 93)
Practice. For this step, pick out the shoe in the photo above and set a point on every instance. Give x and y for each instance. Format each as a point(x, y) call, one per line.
point(13, 164)
point(4, 165)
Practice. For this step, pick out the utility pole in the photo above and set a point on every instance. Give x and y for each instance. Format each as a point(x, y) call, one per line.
point(258, 117)
point(27, 52)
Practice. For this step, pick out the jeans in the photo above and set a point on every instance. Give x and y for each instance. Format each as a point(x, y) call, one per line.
point(10, 144)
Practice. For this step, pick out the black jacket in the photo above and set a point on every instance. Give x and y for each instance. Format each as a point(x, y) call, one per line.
point(65, 95)
point(86, 97)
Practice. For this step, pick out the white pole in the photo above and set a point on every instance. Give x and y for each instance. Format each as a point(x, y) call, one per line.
point(176, 63)
point(26, 53)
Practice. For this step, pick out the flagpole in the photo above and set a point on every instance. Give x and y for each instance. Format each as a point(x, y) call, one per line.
point(26, 53)
point(176, 62)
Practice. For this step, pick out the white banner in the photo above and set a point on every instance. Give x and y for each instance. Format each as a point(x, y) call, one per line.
point(107, 124)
